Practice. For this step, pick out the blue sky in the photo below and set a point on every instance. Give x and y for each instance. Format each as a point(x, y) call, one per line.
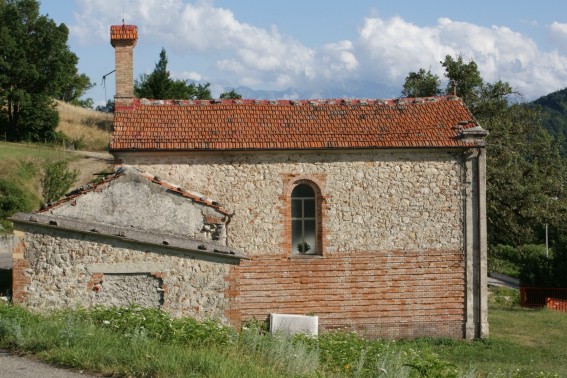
point(316, 48)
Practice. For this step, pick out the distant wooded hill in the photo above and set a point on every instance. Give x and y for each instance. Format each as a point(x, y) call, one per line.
point(554, 113)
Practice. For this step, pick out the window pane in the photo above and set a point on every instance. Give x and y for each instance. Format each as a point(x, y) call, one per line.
point(296, 208)
point(296, 237)
point(303, 190)
point(309, 208)
point(310, 236)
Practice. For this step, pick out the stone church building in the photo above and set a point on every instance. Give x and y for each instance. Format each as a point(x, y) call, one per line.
point(369, 214)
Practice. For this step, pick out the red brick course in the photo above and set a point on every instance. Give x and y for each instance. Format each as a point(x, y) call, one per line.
point(20, 280)
point(393, 294)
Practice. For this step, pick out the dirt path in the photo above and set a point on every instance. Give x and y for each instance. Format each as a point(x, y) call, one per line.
point(90, 164)
point(12, 366)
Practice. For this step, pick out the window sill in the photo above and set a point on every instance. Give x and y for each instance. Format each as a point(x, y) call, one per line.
point(306, 256)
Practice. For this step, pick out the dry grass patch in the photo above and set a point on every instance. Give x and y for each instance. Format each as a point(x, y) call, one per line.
point(88, 128)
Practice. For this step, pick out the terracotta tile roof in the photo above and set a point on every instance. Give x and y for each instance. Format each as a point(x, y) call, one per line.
point(283, 125)
point(123, 32)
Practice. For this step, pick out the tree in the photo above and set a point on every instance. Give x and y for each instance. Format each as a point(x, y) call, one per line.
point(422, 84)
point(160, 85)
point(108, 108)
point(73, 90)
point(56, 180)
point(525, 177)
point(525, 170)
point(35, 66)
point(13, 199)
point(232, 94)
point(465, 76)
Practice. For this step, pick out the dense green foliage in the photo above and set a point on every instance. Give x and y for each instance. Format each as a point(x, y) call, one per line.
point(232, 94)
point(541, 269)
point(554, 113)
point(36, 65)
point(421, 84)
point(15, 194)
point(160, 85)
point(56, 180)
point(534, 265)
point(13, 199)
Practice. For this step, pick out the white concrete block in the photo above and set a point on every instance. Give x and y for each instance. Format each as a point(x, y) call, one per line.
point(291, 324)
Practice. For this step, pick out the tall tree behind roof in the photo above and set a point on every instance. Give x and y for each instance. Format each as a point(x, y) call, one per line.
point(160, 85)
point(526, 175)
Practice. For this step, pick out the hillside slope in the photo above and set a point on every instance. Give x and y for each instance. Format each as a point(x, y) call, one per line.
point(21, 164)
point(554, 112)
point(89, 129)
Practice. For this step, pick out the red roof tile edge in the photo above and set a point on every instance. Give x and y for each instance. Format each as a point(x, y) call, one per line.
point(121, 172)
point(123, 33)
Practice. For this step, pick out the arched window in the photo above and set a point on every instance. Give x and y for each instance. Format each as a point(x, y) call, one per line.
point(304, 221)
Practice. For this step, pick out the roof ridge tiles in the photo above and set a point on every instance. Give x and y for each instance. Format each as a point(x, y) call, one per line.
point(295, 102)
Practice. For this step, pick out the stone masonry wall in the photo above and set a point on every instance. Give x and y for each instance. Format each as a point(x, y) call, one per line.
point(63, 269)
point(392, 260)
point(375, 201)
point(122, 290)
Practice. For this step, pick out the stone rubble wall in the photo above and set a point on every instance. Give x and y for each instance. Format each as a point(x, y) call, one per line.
point(375, 201)
point(122, 290)
point(61, 269)
point(393, 261)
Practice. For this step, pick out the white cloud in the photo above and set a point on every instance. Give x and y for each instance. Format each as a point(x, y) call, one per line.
point(558, 33)
point(385, 51)
point(394, 47)
point(187, 75)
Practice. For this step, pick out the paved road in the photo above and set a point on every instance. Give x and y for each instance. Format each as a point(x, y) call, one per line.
point(12, 366)
point(502, 280)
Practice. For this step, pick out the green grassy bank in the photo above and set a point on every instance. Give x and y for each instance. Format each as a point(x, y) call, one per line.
point(138, 342)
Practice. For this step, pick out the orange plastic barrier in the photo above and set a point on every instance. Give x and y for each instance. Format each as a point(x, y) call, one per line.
point(556, 304)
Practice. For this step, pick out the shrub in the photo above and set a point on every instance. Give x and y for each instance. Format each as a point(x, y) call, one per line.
point(504, 296)
point(12, 200)
point(56, 180)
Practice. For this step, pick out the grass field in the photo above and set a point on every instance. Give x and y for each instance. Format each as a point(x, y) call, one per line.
point(90, 128)
point(33, 152)
point(21, 163)
point(522, 343)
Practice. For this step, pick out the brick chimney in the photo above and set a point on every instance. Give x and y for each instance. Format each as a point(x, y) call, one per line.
point(123, 38)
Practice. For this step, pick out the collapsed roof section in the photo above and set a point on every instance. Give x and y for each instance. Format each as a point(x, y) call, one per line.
point(138, 207)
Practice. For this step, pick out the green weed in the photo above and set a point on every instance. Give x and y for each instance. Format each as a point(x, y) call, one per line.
point(143, 342)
